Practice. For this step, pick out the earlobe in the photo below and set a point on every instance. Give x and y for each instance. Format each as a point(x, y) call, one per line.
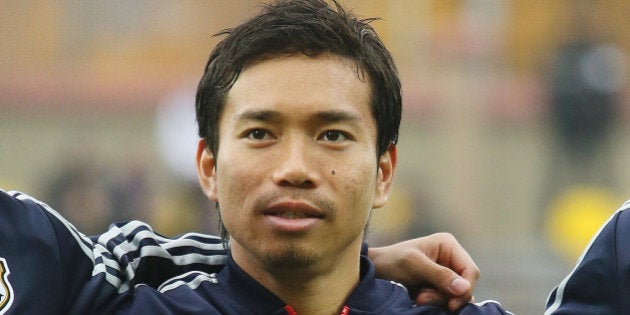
point(386, 167)
point(206, 170)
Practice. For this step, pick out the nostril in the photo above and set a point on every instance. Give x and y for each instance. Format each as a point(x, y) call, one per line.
point(299, 183)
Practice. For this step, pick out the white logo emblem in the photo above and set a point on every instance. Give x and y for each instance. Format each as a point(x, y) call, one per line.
point(6, 291)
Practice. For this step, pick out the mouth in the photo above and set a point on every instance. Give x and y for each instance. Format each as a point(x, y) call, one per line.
point(294, 210)
point(293, 216)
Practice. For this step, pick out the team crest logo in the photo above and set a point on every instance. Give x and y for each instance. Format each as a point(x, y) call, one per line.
point(6, 291)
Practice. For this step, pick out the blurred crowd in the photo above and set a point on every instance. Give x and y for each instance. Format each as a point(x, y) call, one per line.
point(514, 124)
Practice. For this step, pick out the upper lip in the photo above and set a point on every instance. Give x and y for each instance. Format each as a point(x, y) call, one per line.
point(295, 207)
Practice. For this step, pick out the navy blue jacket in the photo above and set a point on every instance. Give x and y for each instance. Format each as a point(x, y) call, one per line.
point(600, 282)
point(232, 291)
point(48, 267)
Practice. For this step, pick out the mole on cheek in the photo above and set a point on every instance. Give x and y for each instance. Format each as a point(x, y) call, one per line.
point(332, 172)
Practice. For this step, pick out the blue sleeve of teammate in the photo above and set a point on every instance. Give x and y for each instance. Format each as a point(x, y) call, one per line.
point(35, 279)
point(48, 267)
point(599, 284)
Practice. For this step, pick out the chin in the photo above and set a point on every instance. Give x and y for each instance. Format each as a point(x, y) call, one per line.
point(290, 258)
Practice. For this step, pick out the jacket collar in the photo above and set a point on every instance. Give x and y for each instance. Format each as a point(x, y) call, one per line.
point(370, 295)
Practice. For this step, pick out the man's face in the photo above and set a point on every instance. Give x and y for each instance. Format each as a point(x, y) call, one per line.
point(296, 173)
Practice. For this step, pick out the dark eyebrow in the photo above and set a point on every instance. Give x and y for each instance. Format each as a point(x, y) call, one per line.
point(333, 116)
point(328, 116)
point(258, 115)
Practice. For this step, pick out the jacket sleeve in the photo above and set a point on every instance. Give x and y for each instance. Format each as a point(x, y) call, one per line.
point(599, 282)
point(32, 275)
point(48, 267)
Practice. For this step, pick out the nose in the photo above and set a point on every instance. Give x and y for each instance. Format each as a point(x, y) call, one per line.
point(296, 166)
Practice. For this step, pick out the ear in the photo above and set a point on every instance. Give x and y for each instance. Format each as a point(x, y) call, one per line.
point(386, 168)
point(206, 170)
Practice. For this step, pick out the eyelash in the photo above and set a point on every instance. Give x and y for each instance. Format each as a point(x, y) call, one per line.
point(337, 133)
point(262, 132)
point(259, 134)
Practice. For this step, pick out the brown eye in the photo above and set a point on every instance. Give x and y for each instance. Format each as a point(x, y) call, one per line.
point(334, 136)
point(257, 134)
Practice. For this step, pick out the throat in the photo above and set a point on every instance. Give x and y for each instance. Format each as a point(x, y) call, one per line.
point(320, 295)
point(310, 280)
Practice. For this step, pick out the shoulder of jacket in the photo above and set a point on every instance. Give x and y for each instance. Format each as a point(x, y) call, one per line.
point(192, 280)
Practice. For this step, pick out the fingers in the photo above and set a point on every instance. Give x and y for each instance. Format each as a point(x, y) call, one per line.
point(460, 286)
point(448, 268)
point(430, 297)
point(457, 303)
point(427, 296)
point(436, 269)
point(456, 258)
point(444, 279)
point(442, 286)
point(461, 271)
point(452, 289)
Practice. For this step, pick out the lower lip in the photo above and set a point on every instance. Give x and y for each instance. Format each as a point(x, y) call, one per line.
point(292, 225)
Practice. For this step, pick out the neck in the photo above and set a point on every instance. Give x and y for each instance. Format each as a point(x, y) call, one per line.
point(315, 294)
point(320, 288)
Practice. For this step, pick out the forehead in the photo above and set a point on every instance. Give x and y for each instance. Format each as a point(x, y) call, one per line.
point(303, 83)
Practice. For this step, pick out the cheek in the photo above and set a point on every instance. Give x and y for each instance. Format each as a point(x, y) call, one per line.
point(233, 179)
point(231, 192)
point(360, 183)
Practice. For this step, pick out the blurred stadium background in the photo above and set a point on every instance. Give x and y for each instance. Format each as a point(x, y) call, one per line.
point(95, 118)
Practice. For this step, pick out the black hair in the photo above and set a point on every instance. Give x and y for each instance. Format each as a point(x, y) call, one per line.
point(309, 27)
